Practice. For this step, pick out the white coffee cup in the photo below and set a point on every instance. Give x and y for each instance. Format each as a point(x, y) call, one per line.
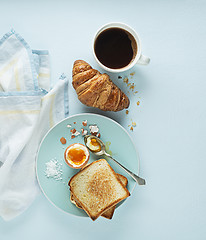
point(138, 59)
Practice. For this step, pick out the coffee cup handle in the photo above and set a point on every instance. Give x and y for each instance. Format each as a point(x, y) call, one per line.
point(143, 60)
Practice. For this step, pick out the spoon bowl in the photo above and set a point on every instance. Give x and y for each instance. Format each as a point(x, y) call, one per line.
point(102, 145)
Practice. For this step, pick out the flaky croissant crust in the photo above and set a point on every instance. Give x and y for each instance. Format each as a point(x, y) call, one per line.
point(97, 90)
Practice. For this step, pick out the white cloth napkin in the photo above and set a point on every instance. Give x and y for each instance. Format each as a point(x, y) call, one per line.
point(28, 108)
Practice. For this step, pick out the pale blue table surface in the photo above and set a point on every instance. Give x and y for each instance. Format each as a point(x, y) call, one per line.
point(171, 119)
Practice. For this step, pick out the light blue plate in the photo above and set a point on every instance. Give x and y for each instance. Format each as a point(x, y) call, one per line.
point(122, 148)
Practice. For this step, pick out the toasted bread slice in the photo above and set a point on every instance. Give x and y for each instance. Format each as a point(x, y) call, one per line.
point(97, 188)
point(108, 213)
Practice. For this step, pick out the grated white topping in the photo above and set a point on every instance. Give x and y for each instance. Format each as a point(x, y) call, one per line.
point(53, 170)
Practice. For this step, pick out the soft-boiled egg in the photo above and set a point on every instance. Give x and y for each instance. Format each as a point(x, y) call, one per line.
point(76, 155)
point(93, 144)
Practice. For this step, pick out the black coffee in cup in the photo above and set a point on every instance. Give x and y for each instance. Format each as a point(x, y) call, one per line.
point(115, 48)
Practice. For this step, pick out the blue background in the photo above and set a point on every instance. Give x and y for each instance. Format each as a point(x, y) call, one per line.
point(171, 131)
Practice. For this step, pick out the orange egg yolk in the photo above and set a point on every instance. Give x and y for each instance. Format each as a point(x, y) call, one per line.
point(95, 144)
point(76, 155)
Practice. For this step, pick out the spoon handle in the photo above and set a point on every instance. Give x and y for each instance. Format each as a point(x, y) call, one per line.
point(138, 179)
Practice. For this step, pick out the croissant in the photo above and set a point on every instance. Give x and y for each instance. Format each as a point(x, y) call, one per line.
point(97, 90)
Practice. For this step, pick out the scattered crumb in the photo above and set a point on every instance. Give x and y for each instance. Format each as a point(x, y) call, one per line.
point(84, 132)
point(132, 74)
point(69, 126)
point(84, 123)
point(75, 122)
point(73, 130)
point(126, 80)
point(63, 140)
point(76, 133)
point(131, 85)
point(119, 77)
point(138, 103)
point(127, 111)
point(134, 124)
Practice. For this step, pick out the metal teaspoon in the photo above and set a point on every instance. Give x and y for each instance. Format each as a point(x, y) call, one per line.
point(102, 151)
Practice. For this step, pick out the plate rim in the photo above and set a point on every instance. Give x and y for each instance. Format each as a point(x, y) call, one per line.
point(76, 115)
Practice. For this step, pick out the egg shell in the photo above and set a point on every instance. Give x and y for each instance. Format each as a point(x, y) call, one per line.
point(77, 166)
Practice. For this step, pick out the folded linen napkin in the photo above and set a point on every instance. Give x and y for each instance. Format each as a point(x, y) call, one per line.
point(28, 108)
